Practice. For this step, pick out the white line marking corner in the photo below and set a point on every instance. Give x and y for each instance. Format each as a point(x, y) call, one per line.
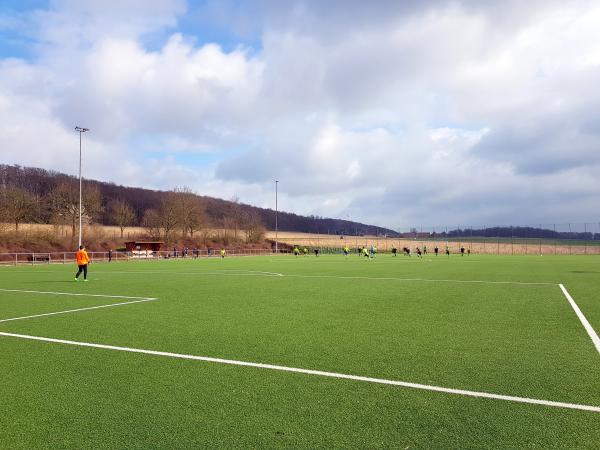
point(586, 324)
point(77, 294)
point(111, 305)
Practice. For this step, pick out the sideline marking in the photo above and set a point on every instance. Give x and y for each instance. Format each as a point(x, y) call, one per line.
point(421, 279)
point(77, 310)
point(77, 294)
point(588, 327)
point(405, 384)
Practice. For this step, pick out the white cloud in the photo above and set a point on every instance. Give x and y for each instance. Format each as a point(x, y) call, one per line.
point(397, 113)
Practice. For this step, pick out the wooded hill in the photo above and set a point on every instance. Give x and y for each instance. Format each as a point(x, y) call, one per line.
point(36, 195)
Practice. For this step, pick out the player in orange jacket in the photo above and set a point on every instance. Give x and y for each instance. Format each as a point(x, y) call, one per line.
point(82, 260)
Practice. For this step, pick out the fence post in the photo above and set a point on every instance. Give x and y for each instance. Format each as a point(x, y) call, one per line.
point(512, 241)
point(484, 238)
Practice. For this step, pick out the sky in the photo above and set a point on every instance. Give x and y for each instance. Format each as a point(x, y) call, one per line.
point(400, 114)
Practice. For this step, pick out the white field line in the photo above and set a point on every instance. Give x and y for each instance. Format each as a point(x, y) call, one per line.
point(405, 384)
point(588, 327)
point(77, 294)
point(340, 277)
point(420, 279)
point(77, 310)
point(217, 272)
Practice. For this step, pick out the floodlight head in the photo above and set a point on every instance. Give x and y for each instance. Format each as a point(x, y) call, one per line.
point(81, 130)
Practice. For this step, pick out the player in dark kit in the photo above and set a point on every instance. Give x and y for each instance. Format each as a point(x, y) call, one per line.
point(419, 255)
point(394, 251)
point(436, 250)
point(462, 251)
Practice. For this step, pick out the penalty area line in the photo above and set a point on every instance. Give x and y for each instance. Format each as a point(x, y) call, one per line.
point(77, 310)
point(75, 294)
point(425, 280)
point(405, 384)
point(586, 324)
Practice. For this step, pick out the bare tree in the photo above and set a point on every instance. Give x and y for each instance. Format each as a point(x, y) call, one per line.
point(17, 205)
point(254, 228)
point(151, 222)
point(163, 221)
point(168, 215)
point(190, 210)
point(65, 204)
point(122, 214)
point(237, 216)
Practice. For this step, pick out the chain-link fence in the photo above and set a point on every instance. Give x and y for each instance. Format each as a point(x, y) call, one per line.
point(542, 239)
point(69, 257)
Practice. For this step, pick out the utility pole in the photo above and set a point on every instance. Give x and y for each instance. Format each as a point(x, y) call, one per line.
point(80, 130)
point(276, 227)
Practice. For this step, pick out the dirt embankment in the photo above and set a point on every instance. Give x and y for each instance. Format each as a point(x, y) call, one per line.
point(34, 238)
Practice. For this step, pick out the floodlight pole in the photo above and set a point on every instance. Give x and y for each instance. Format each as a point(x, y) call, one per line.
point(80, 130)
point(276, 247)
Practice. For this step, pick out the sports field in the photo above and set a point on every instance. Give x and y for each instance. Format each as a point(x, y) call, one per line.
point(328, 352)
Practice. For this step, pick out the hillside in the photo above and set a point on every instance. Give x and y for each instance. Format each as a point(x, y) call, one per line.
point(42, 184)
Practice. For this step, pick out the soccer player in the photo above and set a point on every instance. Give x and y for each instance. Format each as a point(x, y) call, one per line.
point(447, 251)
point(424, 249)
point(394, 251)
point(373, 251)
point(436, 250)
point(468, 252)
point(222, 253)
point(346, 250)
point(109, 255)
point(296, 251)
point(316, 252)
point(462, 251)
point(82, 260)
point(419, 255)
point(365, 252)
point(305, 251)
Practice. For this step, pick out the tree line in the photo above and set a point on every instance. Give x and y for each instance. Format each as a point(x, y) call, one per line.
point(179, 212)
point(33, 195)
point(526, 232)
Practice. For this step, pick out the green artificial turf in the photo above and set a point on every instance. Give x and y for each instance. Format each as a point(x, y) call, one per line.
point(379, 318)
